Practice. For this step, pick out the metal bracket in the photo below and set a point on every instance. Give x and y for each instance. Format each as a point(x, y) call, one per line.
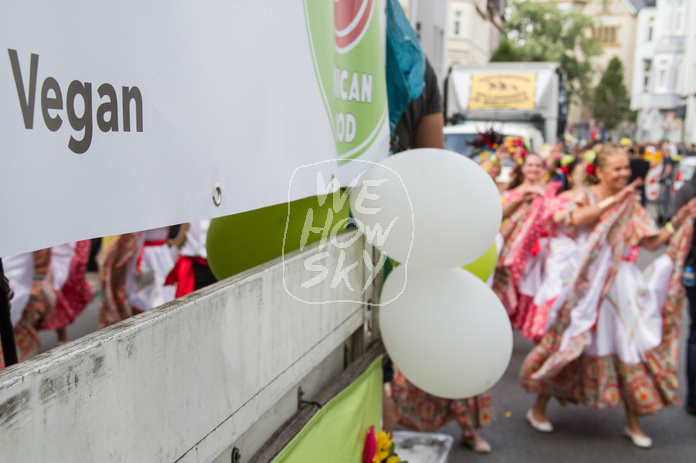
point(369, 318)
point(300, 402)
point(236, 455)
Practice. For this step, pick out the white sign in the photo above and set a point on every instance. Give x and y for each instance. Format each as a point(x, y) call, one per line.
point(119, 117)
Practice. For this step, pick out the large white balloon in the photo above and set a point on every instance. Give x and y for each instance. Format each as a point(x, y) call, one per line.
point(448, 332)
point(432, 207)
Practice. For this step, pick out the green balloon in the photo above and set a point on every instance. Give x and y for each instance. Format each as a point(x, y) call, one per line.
point(238, 242)
point(484, 266)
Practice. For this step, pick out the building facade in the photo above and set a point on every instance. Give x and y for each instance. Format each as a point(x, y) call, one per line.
point(664, 64)
point(473, 30)
point(686, 83)
point(429, 19)
point(617, 22)
point(615, 27)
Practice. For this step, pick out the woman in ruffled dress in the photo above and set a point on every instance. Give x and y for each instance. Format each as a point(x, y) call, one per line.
point(30, 276)
point(562, 253)
point(133, 269)
point(423, 412)
point(614, 341)
point(525, 228)
point(73, 292)
point(147, 273)
point(116, 258)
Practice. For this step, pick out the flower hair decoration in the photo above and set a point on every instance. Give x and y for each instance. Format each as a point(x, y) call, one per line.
point(566, 161)
point(591, 160)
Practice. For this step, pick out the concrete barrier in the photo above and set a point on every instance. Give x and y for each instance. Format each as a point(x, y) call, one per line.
point(185, 381)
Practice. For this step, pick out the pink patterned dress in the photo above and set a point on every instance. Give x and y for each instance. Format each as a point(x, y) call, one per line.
point(41, 301)
point(114, 263)
point(615, 339)
point(73, 293)
point(423, 412)
point(562, 259)
point(519, 272)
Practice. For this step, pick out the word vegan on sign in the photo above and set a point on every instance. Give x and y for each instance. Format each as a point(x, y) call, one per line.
point(52, 104)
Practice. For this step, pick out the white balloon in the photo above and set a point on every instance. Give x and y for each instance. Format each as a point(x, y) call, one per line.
point(448, 332)
point(430, 207)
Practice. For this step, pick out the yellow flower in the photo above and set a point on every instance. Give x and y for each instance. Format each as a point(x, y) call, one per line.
point(384, 444)
point(393, 459)
point(379, 456)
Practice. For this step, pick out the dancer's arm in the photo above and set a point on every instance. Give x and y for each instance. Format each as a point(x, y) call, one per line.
point(590, 214)
point(654, 242)
point(528, 194)
point(565, 215)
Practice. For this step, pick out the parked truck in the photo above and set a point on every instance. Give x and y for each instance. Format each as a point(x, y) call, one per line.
point(532, 94)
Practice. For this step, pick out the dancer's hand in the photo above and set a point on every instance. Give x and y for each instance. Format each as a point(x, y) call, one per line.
point(529, 192)
point(628, 189)
point(686, 212)
point(502, 152)
point(556, 151)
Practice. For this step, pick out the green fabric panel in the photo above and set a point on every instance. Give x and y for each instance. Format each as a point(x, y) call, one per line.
point(238, 242)
point(337, 432)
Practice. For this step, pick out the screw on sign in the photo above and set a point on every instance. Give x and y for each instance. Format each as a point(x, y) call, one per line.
point(351, 18)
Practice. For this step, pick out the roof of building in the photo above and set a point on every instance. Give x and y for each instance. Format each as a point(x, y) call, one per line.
point(635, 5)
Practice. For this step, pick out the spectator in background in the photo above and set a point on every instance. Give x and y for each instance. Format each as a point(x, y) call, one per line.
point(692, 150)
point(686, 195)
point(639, 169)
point(668, 159)
point(191, 270)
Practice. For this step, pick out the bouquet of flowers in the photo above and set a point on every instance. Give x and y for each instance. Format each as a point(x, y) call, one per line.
point(487, 143)
point(379, 448)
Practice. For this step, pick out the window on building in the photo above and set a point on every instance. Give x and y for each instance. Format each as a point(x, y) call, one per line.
point(681, 16)
point(651, 27)
point(605, 7)
point(662, 79)
point(677, 74)
point(647, 65)
point(457, 22)
point(606, 34)
point(663, 65)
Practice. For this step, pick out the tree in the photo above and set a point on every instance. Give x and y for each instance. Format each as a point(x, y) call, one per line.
point(541, 32)
point(611, 103)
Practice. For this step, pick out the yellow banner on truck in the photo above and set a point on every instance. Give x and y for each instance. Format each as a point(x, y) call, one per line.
point(502, 91)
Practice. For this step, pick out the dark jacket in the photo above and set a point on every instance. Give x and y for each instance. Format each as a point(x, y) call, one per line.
point(685, 194)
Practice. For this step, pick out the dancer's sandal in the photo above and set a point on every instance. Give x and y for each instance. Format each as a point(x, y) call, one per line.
point(541, 426)
point(643, 442)
point(476, 444)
